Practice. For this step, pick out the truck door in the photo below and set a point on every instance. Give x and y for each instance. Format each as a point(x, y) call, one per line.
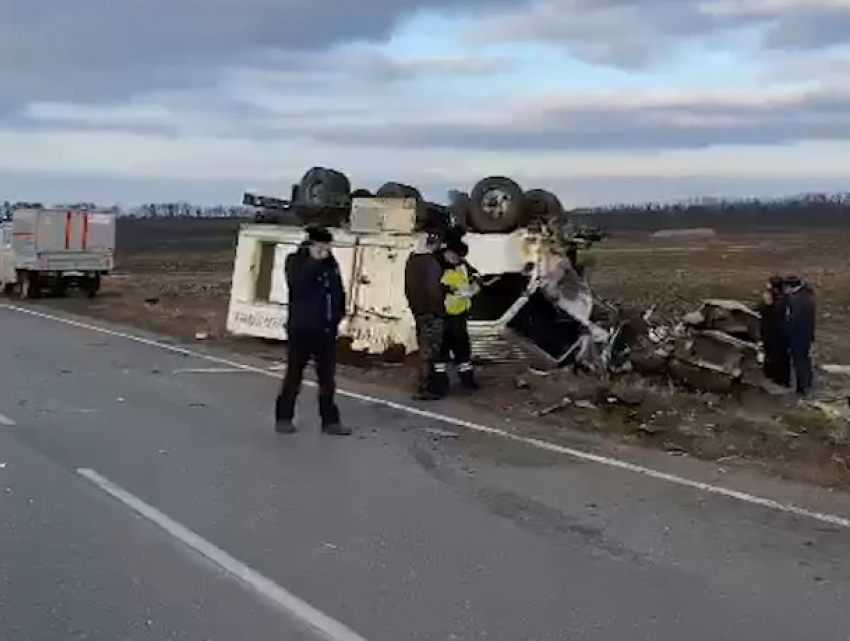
point(380, 290)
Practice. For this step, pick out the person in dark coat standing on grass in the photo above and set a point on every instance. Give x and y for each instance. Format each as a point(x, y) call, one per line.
point(800, 328)
point(424, 291)
point(316, 308)
point(777, 355)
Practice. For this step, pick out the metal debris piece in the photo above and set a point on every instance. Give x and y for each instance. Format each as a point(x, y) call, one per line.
point(585, 405)
point(563, 404)
point(435, 431)
point(837, 370)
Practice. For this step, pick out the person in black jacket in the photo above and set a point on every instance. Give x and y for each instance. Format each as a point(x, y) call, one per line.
point(424, 291)
point(316, 307)
point(800, 321)
point(777, 355)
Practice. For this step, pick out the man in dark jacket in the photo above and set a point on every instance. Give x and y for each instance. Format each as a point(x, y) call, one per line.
point(800, 328)
point(316, 307)
point(424, 291)
point(777, 355)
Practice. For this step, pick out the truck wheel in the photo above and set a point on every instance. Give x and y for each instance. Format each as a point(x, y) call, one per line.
point(498, 205)
point(60, 288)
point(324, 187)
point(542, 205)
point(398, 190)
point(91, 285)
point(459, 206)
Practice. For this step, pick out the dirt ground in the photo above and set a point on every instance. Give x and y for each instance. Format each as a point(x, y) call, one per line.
point(174, 278)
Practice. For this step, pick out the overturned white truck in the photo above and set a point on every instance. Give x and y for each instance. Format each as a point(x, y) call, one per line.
point(372, 241)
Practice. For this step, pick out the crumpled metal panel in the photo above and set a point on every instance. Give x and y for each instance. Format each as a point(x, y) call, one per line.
point(495, 346)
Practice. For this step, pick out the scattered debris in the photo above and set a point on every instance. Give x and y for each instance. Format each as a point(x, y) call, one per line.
point(435, 431)
point(836, 370)
point(585, 405)
point(557, 407)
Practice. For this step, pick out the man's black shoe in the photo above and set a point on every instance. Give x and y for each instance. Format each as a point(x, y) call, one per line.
point(282, 426)
point(336, 429)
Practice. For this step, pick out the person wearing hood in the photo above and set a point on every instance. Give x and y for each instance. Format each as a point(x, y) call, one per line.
point(316, 308)
point(424, 292)
point(800, 320)
point(777, 355)
point(461, 284)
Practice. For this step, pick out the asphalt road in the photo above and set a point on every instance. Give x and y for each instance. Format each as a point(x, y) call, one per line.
point(216, 528)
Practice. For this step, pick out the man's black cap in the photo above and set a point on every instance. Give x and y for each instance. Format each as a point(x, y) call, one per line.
point(319, 235)
point(458, 247)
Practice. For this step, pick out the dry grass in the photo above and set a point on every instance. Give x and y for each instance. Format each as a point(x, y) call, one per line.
point(646, 273)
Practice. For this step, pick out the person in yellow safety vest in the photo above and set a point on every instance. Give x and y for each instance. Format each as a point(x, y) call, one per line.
point(461, 284)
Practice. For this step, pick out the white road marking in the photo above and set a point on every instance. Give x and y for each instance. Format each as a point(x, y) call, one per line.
point(5, 420)
point(582, 455)
point(211, 370)
point(329, 629)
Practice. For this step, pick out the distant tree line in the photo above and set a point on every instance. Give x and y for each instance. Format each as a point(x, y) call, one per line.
point(813, 209)
point(151, 210)
point(186, 210)
point(806, 210)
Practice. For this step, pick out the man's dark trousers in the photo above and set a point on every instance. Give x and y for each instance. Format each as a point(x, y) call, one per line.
point(802, 360)
point(777, 361)
point(322, 349)
point(430, 329)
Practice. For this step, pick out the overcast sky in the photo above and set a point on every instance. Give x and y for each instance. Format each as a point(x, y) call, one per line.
point(600, 100)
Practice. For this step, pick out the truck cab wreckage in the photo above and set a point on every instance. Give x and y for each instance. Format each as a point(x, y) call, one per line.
point(533, 302)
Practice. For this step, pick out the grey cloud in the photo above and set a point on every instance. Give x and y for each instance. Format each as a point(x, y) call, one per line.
point(686, 125)
point(622, 33)
point(636, 33)
point(101, 49)
point(806, 29)
point(369, 64)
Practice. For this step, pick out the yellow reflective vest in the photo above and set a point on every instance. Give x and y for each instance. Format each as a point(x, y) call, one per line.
point(461, 289)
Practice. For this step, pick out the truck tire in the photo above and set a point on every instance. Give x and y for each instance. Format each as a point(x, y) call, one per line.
point(90, 285)
point(398, 190)
point(324, 187)
point(459, 205)
point(542, 205)
point(60, 287)
point(497, 205)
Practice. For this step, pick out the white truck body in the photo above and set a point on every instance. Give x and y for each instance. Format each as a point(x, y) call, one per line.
point(372, 255)
point(56, 245)
point(60, 240)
